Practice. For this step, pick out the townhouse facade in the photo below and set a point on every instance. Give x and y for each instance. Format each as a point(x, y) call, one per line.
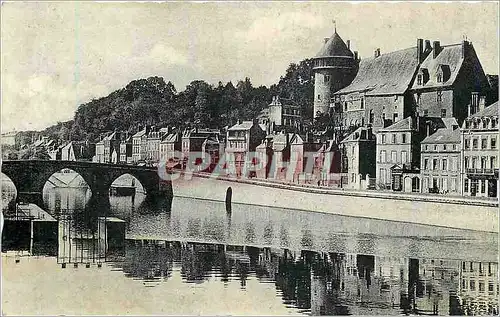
point(479, 137)
point(440, 162)
point(242, 138)
point(398, 152)
point(139, 145)
point(192, 142)
point(360, 150)
point(126, 150)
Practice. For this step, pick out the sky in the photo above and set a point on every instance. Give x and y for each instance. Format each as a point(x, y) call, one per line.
point(58, 55)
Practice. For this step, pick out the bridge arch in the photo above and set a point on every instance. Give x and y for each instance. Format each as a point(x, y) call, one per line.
point(9, 192)
point(66, 190)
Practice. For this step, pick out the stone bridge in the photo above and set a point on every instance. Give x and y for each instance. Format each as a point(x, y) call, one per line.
point(30, 176)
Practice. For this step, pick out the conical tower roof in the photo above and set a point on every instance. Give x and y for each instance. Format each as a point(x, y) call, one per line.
point(335, 46)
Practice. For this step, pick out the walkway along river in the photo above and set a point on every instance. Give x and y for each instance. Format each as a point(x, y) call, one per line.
point(466, 214)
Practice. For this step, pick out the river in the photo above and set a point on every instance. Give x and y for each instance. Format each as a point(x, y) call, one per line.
point(189, 256)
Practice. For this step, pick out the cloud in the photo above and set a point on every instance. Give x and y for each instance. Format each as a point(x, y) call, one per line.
point(161, 53)
point(40, 100)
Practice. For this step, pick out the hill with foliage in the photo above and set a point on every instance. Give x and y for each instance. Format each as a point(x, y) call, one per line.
point(153, 101)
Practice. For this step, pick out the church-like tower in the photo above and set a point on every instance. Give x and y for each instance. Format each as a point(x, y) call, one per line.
point(334, 68)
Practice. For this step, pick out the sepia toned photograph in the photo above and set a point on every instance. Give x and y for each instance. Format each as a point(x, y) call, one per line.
point(249, 158)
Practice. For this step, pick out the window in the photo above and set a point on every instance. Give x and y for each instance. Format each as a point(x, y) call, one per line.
point(467, 144)
point(466, 185)
point(394, 117)
point(382, 156)
point(382, 137)
point(426, 164)
point(404, 157)
point(444, 164)
point(382, 175)
point(362, 103)
point(484, 143)
point(394, 139)
point(345, 105)
point(472, 285)
point(419, 79)
point(493, 162)
point(474, 143)
point(439, 78)
point(371, 116)
point(483, 185)
point(444, 147)
point(426, 112)
point(319, 97)
point(483, 162)
point(403, 138)
point(443, 113)
point(394, 157)
point(474, 162)
point(438, 97)
point(327, 78)
point(481, 286)
point(434, 164)
point(466, 162)
point(453, 184)
point(418, 100)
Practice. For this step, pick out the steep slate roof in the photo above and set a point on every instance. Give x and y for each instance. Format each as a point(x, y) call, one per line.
point(450, 56)
point(140, 133)
point(110, 137)
point(390, 73)
point(245, 125)
point(444, 135)
point(357, 135)
point(402, 125)
point(490, 111)
point(335, 46)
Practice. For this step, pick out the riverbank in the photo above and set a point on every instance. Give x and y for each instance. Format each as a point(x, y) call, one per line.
point(452, 212)
point(461, 200)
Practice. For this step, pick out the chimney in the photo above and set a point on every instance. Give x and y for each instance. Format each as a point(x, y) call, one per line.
point(355, 55)
point(482, 103)
point(326, 39)
point(428, 46)
point(420, 50)
point(465, 44)
point(436, 48)
point(377, 52)
point(348, 44)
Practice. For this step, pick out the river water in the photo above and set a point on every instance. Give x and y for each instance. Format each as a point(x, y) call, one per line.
point(189, 256)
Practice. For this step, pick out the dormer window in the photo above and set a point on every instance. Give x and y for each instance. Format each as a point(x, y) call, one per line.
point(422, 76)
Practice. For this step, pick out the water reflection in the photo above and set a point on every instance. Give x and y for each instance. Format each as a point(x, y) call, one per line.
point(319, 264)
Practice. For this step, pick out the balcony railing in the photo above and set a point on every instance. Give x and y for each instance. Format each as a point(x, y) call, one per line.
point(482, 171)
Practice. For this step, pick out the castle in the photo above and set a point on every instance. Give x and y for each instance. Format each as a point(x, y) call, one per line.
point(424, 80)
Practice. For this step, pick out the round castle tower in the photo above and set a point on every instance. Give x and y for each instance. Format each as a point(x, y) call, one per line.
point(334, 67)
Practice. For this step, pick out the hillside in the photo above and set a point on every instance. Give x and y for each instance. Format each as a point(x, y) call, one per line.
point(154, 101)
